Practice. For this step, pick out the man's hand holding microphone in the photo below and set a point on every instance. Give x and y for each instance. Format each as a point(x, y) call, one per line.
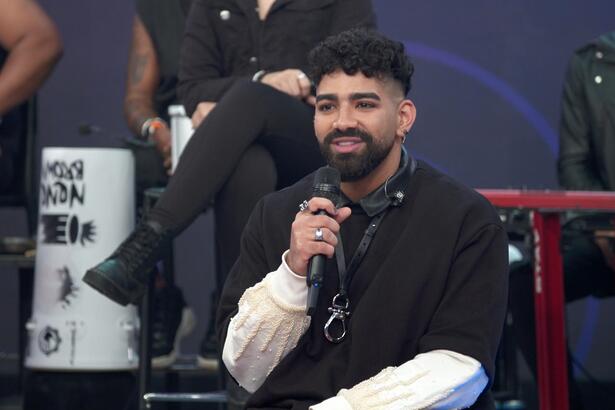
point(314, 232)
point(304, 242)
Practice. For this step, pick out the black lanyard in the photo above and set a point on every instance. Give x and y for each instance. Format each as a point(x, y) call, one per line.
point(340, 304)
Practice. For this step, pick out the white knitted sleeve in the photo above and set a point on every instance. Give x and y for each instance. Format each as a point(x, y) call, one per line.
point(268, 325)
point(440, 379)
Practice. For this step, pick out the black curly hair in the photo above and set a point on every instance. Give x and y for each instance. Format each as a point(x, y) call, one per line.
point(361, 50)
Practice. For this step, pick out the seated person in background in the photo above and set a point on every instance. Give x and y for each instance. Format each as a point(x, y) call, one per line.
point(421, 262)
point(151, 84)
point(158, 27)
point(586, 162)
point(587, 154)
point(242, 67)
point(30, 46)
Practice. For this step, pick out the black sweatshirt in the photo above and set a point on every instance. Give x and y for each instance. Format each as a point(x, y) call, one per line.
point(434, 277)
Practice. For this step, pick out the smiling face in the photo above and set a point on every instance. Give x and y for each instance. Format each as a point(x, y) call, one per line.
point(360, 124)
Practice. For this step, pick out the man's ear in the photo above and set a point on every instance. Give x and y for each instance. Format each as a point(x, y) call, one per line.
point(406, 114)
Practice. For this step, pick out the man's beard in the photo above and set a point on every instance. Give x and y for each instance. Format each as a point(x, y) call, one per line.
point(354, 166)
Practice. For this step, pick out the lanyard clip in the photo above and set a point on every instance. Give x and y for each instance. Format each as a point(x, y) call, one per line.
point(339, 312)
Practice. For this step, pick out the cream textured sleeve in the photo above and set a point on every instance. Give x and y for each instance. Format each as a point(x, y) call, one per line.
point(268, 325)
point(440, 379)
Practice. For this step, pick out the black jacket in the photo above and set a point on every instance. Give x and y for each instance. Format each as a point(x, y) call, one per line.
point(587, 131)
point(225, 40)
point(164, 21)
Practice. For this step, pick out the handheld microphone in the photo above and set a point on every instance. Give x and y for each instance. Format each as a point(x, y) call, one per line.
point(326, 185)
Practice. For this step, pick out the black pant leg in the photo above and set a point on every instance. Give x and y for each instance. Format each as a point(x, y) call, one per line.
point(248, 113)
point(521, 306)
point(254, 177)
point(585, 269)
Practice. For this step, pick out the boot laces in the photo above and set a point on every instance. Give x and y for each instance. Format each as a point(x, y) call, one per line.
point(140, 246)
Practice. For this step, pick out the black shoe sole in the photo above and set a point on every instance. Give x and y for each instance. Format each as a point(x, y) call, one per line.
point(108, 288)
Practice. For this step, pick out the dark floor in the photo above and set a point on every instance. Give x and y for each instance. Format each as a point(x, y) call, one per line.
point(94, 391)
point(188, 379)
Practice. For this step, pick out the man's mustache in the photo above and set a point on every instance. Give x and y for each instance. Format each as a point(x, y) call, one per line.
point(349, 132)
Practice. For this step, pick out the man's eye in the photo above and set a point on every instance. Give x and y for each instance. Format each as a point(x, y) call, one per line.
point(365, 104)
point(325, 107)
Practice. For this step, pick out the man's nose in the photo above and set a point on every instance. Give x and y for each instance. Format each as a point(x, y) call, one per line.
point(345, 119)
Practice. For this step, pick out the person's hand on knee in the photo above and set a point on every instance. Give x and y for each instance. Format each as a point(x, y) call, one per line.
point(292, 81)
point(202, 110)
point(162, 139)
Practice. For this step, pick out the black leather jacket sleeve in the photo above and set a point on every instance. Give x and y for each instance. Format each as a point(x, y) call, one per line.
point(577, 165)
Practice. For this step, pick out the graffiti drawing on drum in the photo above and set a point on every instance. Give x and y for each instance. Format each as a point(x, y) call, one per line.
point(86, 209)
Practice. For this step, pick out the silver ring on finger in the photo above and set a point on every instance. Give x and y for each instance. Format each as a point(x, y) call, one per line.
point(301, 76)
point(303, 206)
point(319, 235)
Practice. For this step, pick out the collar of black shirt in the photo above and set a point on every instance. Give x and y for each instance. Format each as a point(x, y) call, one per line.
point(391, 193)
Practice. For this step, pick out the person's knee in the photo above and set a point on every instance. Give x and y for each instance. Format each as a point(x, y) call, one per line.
point(248, 92)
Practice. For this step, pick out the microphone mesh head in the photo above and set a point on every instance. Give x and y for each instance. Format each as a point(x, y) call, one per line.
point(327, 184)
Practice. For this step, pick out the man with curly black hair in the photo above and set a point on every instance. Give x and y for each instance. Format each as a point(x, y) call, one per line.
point(414, 294)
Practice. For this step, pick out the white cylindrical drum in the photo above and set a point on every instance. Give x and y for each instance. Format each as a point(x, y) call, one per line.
point(181, 131)
point(86, 208)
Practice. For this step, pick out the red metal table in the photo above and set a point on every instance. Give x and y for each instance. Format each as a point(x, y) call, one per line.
point(545, 208)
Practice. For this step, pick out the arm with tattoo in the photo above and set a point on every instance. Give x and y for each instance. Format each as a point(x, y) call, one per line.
point(34, 47)
point(142, 79)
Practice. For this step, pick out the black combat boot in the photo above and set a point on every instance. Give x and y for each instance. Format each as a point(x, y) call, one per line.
point(123, 276)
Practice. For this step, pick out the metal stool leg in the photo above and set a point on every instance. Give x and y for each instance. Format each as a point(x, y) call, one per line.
point(145, 341)
point(26, 287)
point(146, 397)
